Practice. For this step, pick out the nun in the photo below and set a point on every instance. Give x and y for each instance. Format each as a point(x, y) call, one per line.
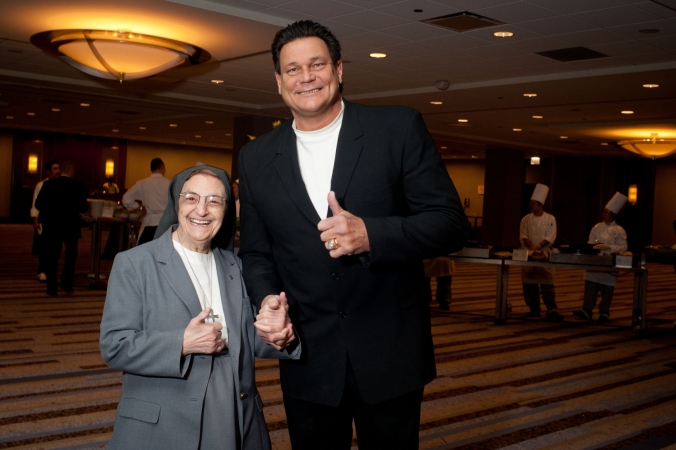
point(538, 232)
point(609, 238)
point(178, 323)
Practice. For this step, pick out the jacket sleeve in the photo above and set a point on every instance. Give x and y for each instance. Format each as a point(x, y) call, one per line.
point(619, 240)
point(124, 342)
point(129, 197)
point(260, 269)
point(436, 223)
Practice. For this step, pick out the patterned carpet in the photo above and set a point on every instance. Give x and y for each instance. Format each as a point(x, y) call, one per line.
point(528, 384)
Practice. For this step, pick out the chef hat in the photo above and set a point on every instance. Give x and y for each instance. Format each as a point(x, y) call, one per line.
point(616, 203)
point(540, 193)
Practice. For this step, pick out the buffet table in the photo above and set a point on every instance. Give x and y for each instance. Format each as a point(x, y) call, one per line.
point(97, 224)
point(502, 284)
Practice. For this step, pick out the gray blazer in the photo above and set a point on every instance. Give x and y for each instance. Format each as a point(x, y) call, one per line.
point(149, 303)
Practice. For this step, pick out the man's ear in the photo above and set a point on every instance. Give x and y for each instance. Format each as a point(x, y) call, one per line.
point(278, 77)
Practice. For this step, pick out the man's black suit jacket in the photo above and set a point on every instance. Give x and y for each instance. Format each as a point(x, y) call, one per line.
point(374, 307)
point(60, 203)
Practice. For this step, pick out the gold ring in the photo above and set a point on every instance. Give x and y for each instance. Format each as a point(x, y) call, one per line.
point(333, 244)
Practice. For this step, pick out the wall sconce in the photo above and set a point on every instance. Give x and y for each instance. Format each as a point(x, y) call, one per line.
point(32, 164)
point(535, 161)
point(632, 195)
point(110, 168)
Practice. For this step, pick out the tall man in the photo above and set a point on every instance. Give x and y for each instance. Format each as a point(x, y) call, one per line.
point(339, 207)
point(538, 232)
point(150, 195)
point(53, 170)
point(60, 203)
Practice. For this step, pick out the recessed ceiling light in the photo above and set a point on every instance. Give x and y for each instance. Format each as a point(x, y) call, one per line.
point(84, 104)
point(31, 114)
point(604, 143)
point(443, 147)
point(537, 117)
point(217, 81)
point(516, 129)
point(378, 55)
point(627, 112)
point(10, 117)
point(209, 122)
point(651, 86)
point(462, 120)
point(503, 34)
point(475, 157)
point(198, 136)
point(228, 134)
point(437, 103)
point(173, 125)
point(115, 147)
point(530, 95)
point(141, 128)
point(563, 137)
point(56, 109)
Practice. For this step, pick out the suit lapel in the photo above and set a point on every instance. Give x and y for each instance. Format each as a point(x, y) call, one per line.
point(230, 285)
point(172, 268)
point(347, 153)
point(288, 169)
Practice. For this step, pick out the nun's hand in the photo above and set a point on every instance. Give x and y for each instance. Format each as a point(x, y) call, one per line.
point(200, 337)
point(273, 324)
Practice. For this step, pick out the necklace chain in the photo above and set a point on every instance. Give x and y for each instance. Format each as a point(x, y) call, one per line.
point(207, 301)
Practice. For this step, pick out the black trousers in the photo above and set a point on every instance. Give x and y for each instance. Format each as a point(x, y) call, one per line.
point(51, 246)
point(392, 424)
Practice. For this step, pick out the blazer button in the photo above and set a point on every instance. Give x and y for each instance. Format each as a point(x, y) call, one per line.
point(242, 395)
point(343, 315)
point(336, 276)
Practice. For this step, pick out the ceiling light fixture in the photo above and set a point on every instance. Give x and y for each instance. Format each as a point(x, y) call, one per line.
point(653, 147)
point(437, 103)
point(56, 109)
point(141, 128)
point(516, 129)
point(651, 86)
point(118, 55)
point(463, 120)
point(173, 125)
point(529, 95)
point(84, 104)
point(378, 55)
point(31, 113)
point(627, 112)
point(217, 81)
point(503, 34)
point(563, 137)
point(209, 122)
point(537, 117)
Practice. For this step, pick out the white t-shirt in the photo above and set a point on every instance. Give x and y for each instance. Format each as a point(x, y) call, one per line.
point(316, 155)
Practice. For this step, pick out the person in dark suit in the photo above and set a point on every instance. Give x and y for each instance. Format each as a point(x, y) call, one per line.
point(338, 209)
point(60, 203)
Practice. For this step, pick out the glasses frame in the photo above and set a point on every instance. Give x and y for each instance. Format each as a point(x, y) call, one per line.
point(205, 197)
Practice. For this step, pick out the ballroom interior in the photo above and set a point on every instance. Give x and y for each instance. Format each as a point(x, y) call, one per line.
point(577, 95)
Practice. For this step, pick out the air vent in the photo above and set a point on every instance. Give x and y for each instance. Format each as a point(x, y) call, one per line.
point(130, 113)
point(572, 54)
point(463, 21)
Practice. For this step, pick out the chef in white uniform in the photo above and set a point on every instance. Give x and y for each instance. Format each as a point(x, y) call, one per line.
point(609, 238)
point(538, 232)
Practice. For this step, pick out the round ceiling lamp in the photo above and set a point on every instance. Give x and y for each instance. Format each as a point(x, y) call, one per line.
point(118, 55)
point(652, 147)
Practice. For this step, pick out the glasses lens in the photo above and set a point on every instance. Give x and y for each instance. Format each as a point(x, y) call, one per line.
point(190, 198)
point(214, 201)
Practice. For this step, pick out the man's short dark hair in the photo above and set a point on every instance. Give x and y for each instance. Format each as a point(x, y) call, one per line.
point(156, 164)
point(303, 29)
point(50, 163)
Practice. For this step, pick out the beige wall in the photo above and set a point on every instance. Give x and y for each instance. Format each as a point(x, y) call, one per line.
point(5, 172)
point(665, 202)
point(175, 157)
point(468, 175)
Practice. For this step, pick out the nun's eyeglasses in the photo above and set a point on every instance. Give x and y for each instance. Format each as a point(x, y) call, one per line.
point(214, 202)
